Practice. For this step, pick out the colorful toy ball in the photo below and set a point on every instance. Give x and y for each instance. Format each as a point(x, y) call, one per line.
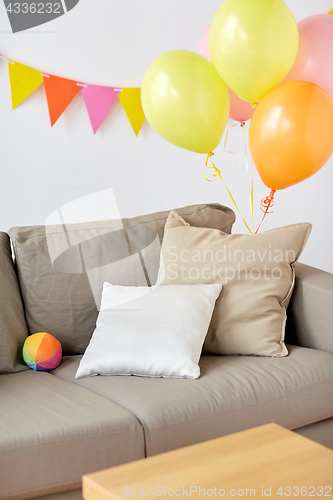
point(42, 352)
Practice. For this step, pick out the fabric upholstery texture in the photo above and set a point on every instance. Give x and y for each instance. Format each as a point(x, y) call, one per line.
point(321, 432)
point(310, 317)
point(232, 394)
point(257, 276)
point(52, 432)
point(13, 328)
point(150, 331)
point(62, 268)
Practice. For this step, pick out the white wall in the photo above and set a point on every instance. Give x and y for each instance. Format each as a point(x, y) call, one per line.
point(112, 42)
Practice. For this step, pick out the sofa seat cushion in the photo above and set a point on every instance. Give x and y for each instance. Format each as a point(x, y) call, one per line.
point(52, 432)
point(233, 393)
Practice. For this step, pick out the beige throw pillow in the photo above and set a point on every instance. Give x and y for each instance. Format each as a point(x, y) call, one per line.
point(257, 274)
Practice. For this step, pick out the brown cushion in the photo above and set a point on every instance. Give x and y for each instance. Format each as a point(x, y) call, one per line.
point(13, 328)
point(256, 273)
point(61, 269)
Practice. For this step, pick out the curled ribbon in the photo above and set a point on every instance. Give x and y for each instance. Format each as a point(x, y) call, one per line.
point(217, 174)
point(266, 204)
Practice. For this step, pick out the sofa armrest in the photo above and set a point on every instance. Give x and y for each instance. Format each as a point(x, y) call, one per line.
point(310, 313)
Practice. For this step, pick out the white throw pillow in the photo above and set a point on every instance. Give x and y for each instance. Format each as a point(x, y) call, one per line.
point(154, 332)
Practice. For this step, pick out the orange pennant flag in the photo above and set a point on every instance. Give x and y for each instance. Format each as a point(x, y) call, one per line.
point(131, 101)
point(59, 93)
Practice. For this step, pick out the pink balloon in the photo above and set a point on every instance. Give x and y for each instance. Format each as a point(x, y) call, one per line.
point(314, 61)
point(240, 110)
point(203, 44)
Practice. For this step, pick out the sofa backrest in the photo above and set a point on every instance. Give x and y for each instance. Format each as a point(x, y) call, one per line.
point(13, 328)
point(310, 313)
point(62, 268)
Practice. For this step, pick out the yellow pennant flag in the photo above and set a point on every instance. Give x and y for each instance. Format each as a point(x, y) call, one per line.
point(331, 12)
point(23, 81)
point(131, 101)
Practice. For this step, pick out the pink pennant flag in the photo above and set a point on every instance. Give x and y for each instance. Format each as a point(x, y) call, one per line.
point(99, 100)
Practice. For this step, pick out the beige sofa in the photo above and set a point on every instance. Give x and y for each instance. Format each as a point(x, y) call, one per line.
point(54, 428)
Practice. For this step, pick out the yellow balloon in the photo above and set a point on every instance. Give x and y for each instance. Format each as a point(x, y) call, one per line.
point(185, 100)
point(253, 45)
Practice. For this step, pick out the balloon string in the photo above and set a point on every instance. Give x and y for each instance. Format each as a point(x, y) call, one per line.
point(226, 142)
point(217, 174)
point(254, 105)
point(266, 204)
point(250, 182)
point(252, 216)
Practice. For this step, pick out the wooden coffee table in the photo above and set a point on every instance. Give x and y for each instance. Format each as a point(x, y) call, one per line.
point(267, 461)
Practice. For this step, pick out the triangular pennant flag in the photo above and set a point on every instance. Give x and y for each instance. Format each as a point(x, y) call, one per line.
point(98, 100)
point(23, 81)
point(131, 101)
point(59, 93)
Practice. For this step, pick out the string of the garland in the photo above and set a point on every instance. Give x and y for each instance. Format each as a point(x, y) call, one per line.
point(217, 174)
point(10, 61)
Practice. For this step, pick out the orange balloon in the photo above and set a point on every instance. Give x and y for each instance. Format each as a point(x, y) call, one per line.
point(291, 133)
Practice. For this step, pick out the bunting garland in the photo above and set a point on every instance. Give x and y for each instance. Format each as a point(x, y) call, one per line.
point(60, 92)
